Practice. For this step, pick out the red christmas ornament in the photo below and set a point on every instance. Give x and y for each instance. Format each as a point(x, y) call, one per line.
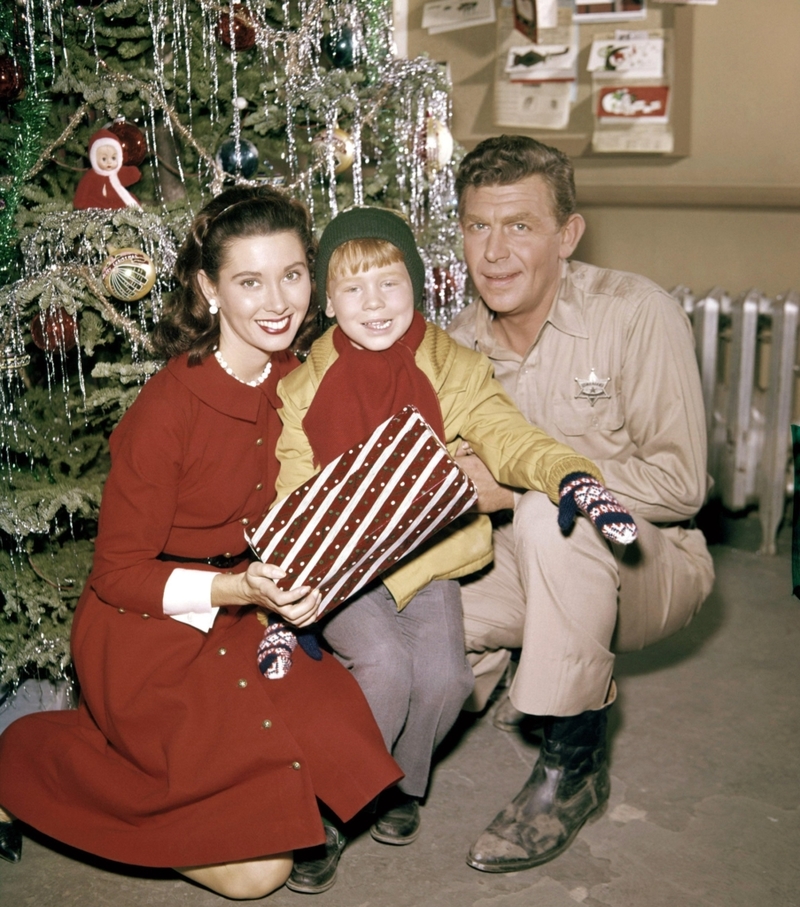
point(54, 330)
point(132, 140)
point(12, 78)
point(445, 288)
point(244, 34)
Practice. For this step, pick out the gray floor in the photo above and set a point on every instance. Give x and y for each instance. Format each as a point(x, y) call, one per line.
point(704, 804)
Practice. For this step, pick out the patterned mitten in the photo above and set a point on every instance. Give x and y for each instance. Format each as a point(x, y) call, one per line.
point(581, 492)
point(275, 649)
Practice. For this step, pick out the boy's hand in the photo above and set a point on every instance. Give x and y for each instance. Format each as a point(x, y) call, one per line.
point(581, 492)
point(491, 495)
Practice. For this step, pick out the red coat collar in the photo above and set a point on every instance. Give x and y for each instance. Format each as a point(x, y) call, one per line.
point(217, 389)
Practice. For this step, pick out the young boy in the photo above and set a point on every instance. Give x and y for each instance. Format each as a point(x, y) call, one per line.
point(403, 637)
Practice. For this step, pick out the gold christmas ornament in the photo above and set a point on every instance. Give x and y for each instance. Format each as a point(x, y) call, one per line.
point(343, 148)
point(11, 361)
point(438, 144)
point(128, 274)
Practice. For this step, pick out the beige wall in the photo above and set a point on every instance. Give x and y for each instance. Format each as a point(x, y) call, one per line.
point(737, 249)
point(727, 214)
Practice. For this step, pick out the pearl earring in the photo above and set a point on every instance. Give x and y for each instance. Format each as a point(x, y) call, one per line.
point(213, 308)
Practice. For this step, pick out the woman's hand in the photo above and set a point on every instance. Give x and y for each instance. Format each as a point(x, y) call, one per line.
point(491, 495)
point(257, 587)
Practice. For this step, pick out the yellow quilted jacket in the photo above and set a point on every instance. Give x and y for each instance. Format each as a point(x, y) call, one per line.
point(475, 409)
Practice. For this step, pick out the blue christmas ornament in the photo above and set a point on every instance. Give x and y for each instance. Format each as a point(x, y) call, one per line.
point(338, 47)
point(238, 157)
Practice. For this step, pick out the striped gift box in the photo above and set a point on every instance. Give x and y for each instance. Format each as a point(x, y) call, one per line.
point(365, 510)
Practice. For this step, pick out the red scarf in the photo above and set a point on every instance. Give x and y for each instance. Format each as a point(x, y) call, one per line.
point(364, 388)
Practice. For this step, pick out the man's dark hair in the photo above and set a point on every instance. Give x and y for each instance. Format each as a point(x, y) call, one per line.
point(506, 159)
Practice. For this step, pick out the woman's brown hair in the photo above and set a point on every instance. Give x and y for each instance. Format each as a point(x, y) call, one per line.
point(187, 326)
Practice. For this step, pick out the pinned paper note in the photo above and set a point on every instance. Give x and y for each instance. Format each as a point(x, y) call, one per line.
point(542, 62)
point(641, 58)
point(533, 105)
point(609, 10)
point(627, 104)
point(449, 15)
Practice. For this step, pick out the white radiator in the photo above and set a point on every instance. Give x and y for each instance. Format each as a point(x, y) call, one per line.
point(747, 350)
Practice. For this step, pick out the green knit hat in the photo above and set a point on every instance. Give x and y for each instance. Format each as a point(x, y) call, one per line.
point(369, 223)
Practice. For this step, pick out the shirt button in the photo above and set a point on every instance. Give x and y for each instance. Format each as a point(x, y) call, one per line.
point(145, 616)
point(296, 766)
point(222, 651)
point(245, 521)
point(243, 683)
point(259, 442)
point(266, 723)
point(121, 610)
point(228, 554)
point(259, 486)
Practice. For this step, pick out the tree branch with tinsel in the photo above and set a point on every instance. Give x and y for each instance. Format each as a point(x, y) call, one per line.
point(115, 317)
point(47, 153)
point(28, 119)
point(50, 288)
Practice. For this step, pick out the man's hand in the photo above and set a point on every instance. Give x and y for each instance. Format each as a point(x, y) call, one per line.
point(491, 495)
point(581, 492)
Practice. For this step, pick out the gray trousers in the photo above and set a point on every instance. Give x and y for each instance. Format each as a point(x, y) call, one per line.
point(411, 666)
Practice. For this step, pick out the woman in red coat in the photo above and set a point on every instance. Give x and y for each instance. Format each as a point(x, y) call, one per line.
point(181, 753)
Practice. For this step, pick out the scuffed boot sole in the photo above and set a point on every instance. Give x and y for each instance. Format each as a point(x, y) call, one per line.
point(519, 864)
point(396, 840)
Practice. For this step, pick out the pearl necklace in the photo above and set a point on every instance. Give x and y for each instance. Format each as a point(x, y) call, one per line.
point(255, 382)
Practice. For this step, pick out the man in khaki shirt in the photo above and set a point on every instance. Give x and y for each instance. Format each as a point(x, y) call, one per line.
point(604, 361)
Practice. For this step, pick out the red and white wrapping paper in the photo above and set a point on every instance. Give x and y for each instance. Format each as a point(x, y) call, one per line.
point(365, 510)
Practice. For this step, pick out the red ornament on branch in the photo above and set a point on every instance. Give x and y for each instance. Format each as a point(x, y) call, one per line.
point(54, 329)
point(242, 36)
point(12, 78)
point(132, 140)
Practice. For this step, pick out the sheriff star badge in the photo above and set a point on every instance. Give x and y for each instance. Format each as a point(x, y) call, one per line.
point(593, 388)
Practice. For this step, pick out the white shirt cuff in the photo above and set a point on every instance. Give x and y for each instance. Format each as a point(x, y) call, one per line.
point(187, 598)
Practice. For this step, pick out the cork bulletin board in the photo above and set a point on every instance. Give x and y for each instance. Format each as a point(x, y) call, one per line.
point(484, 96)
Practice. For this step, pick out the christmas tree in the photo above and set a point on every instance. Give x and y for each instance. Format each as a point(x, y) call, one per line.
point(303, 94)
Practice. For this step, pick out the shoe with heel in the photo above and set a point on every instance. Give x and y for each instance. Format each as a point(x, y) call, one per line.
point(10, 841)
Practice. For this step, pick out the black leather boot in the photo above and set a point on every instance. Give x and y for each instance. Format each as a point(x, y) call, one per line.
point(569, 782)
point(398, 820)
point(314, 869)
point(10, 842)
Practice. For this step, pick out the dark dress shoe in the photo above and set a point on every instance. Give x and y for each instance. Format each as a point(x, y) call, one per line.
point(10, 842)
point(399, 824)
point(314, 869)
point(569, 783)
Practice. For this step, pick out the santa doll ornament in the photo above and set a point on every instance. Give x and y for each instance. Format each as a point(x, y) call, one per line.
point(104, 185)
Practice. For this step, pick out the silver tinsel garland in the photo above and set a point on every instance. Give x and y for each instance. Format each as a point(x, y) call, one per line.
point(393, 117)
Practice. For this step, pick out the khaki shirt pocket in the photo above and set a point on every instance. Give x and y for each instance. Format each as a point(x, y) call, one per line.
point(576, 416)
